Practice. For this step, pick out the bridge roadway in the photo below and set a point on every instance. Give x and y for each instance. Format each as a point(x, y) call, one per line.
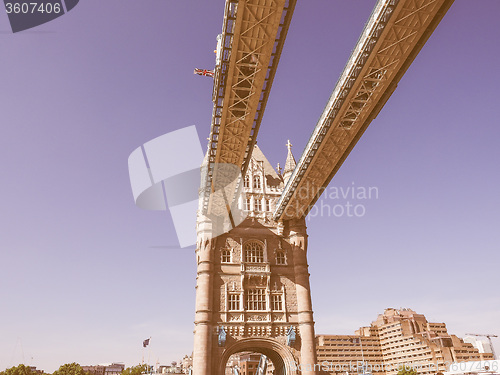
point(391, 39)
point(248, 53)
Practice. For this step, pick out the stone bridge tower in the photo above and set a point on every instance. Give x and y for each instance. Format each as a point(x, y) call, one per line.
point(252, 290)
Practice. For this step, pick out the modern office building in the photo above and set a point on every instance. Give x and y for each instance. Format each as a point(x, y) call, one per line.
point(482, 346)
point(249, 362)
point(397, 338)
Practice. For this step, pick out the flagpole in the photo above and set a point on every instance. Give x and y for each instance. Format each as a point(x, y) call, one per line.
point(149, 354)
point(145, 343)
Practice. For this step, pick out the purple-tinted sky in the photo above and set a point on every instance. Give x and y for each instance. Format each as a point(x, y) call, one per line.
point(85, 275)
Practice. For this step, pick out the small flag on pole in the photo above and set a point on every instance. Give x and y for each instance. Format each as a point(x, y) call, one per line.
point(146, 342)
point(204, 72)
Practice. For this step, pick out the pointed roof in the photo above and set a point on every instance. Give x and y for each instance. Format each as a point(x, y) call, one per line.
point(273, 179)
point(290, 162)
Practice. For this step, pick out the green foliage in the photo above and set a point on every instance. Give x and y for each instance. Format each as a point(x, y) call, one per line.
point(70, 369)
point(18, 370)
point(407, 371)
point(135, 370)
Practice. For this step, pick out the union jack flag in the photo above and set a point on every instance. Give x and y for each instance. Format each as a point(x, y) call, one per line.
point(204, 72)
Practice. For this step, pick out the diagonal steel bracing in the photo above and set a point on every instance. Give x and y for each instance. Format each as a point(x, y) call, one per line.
point(392, 38)
point(254, 32)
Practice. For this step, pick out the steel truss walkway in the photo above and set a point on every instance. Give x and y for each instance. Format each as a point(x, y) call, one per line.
point(391, 39)
point(249, 50)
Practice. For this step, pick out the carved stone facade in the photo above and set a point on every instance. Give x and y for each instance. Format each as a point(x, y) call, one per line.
point(253, 284)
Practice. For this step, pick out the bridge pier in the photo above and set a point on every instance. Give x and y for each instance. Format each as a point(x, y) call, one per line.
point(252, 289)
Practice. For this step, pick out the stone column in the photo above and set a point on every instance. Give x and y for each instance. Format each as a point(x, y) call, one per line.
point(298, 240)
point(204, 282)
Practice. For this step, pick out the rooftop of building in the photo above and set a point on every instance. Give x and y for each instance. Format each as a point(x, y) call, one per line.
point(272, 177)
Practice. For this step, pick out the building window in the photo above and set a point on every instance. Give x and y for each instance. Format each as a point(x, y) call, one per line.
point(248, 204)
point(256, 299)
point(256, 182)
point(226, 256)
point(258, 205)
point(254, 253)
point(280, 257)
point(277, 303)
point(246, 182)
point(234, 301)
point(268, 205)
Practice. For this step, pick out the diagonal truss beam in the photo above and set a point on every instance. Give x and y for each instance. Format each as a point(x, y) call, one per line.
point(391, 39)
point(253, 35)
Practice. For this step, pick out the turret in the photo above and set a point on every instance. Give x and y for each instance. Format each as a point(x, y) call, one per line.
point(289, 164)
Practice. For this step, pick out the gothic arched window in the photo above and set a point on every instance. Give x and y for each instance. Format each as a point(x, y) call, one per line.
point(256, 182)
point(254, 252)
point(256, 299)
point(233, 301)
point(248, 204)
point(277, 302)
point(258, 205)
point(280, 257)
point(226, 256)
point(246, 182)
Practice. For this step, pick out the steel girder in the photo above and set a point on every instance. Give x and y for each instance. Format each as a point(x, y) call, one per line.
point(253, 35)
point(392, 38)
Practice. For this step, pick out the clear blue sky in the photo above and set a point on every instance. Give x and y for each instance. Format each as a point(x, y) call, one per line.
point(86, 276)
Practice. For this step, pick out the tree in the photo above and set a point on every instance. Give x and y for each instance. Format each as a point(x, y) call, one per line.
point(135, 370)
point(19, 370)
point(407, 371)
point(70, 369)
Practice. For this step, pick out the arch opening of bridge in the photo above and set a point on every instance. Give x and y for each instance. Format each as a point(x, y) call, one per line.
point(282, 359)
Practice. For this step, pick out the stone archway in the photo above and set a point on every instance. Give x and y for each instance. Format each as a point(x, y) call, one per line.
point(282, 358)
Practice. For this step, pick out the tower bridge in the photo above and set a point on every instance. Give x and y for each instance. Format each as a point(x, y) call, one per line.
point(252, 281)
